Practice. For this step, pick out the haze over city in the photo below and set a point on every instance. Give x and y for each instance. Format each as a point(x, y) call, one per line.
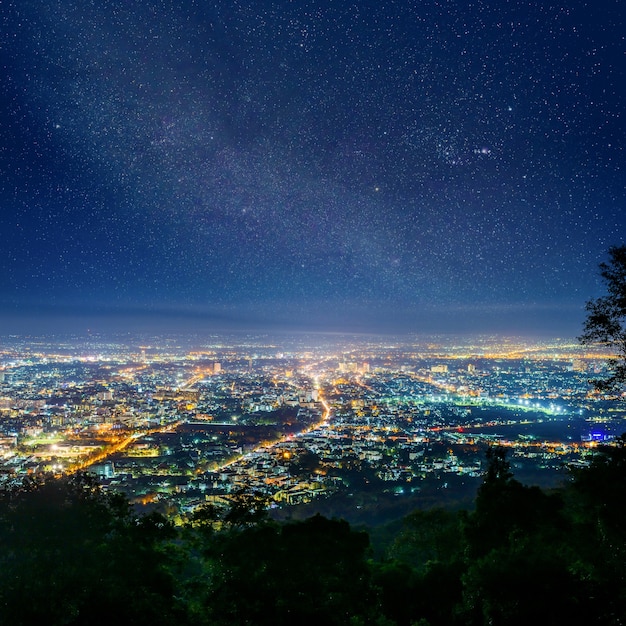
point(331, 166)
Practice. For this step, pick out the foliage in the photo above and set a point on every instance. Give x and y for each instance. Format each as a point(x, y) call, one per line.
point(69, 551)
point(506, 509)
point(606, 317)
point(302, 572)
point(523, 582)
point(598, 505)
point(73, 554)
point(305, 464)
point(244, 507)
point(432, 536)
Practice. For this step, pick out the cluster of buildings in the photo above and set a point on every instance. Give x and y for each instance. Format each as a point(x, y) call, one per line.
point(175, 427)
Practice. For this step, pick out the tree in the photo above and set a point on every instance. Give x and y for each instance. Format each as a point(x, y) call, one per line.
point(245, 507)
point(507, 510)
point(522, 566)
point(310, 572)
point(606, 317)
point(305, 464)
point(599, 508)
point(73, 554)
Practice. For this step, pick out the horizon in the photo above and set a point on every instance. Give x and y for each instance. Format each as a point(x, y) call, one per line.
point(294, 340)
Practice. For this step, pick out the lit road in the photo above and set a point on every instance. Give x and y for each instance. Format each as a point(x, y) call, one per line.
point(118, 447)
point(265, 445)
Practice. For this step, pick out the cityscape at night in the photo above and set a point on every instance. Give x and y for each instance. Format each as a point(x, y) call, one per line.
point(312, 312)
point(361, 421)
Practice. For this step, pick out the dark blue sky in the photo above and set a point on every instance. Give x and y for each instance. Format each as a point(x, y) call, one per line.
point(368, 166)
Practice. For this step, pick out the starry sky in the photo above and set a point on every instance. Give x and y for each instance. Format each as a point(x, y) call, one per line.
point(421, 166)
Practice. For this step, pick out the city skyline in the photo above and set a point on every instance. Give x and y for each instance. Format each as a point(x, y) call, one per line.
point(309, 166)
point(173, 424)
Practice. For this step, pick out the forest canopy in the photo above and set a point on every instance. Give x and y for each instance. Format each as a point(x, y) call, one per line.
point(71, 553)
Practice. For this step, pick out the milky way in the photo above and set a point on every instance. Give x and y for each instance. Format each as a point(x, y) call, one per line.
point(333, 165)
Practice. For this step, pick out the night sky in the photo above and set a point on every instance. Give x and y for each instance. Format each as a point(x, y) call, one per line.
point(424, 166)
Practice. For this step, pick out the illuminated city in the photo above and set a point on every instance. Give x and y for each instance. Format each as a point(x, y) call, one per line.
point(175, 422)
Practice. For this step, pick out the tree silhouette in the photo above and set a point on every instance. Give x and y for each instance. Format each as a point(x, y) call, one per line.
point(310, 572)
point(598, 506)
point(243, 507)
point(606, 317)
point(72, 554)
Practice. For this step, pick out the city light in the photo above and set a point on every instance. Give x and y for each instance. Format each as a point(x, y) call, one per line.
point(293, 423)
